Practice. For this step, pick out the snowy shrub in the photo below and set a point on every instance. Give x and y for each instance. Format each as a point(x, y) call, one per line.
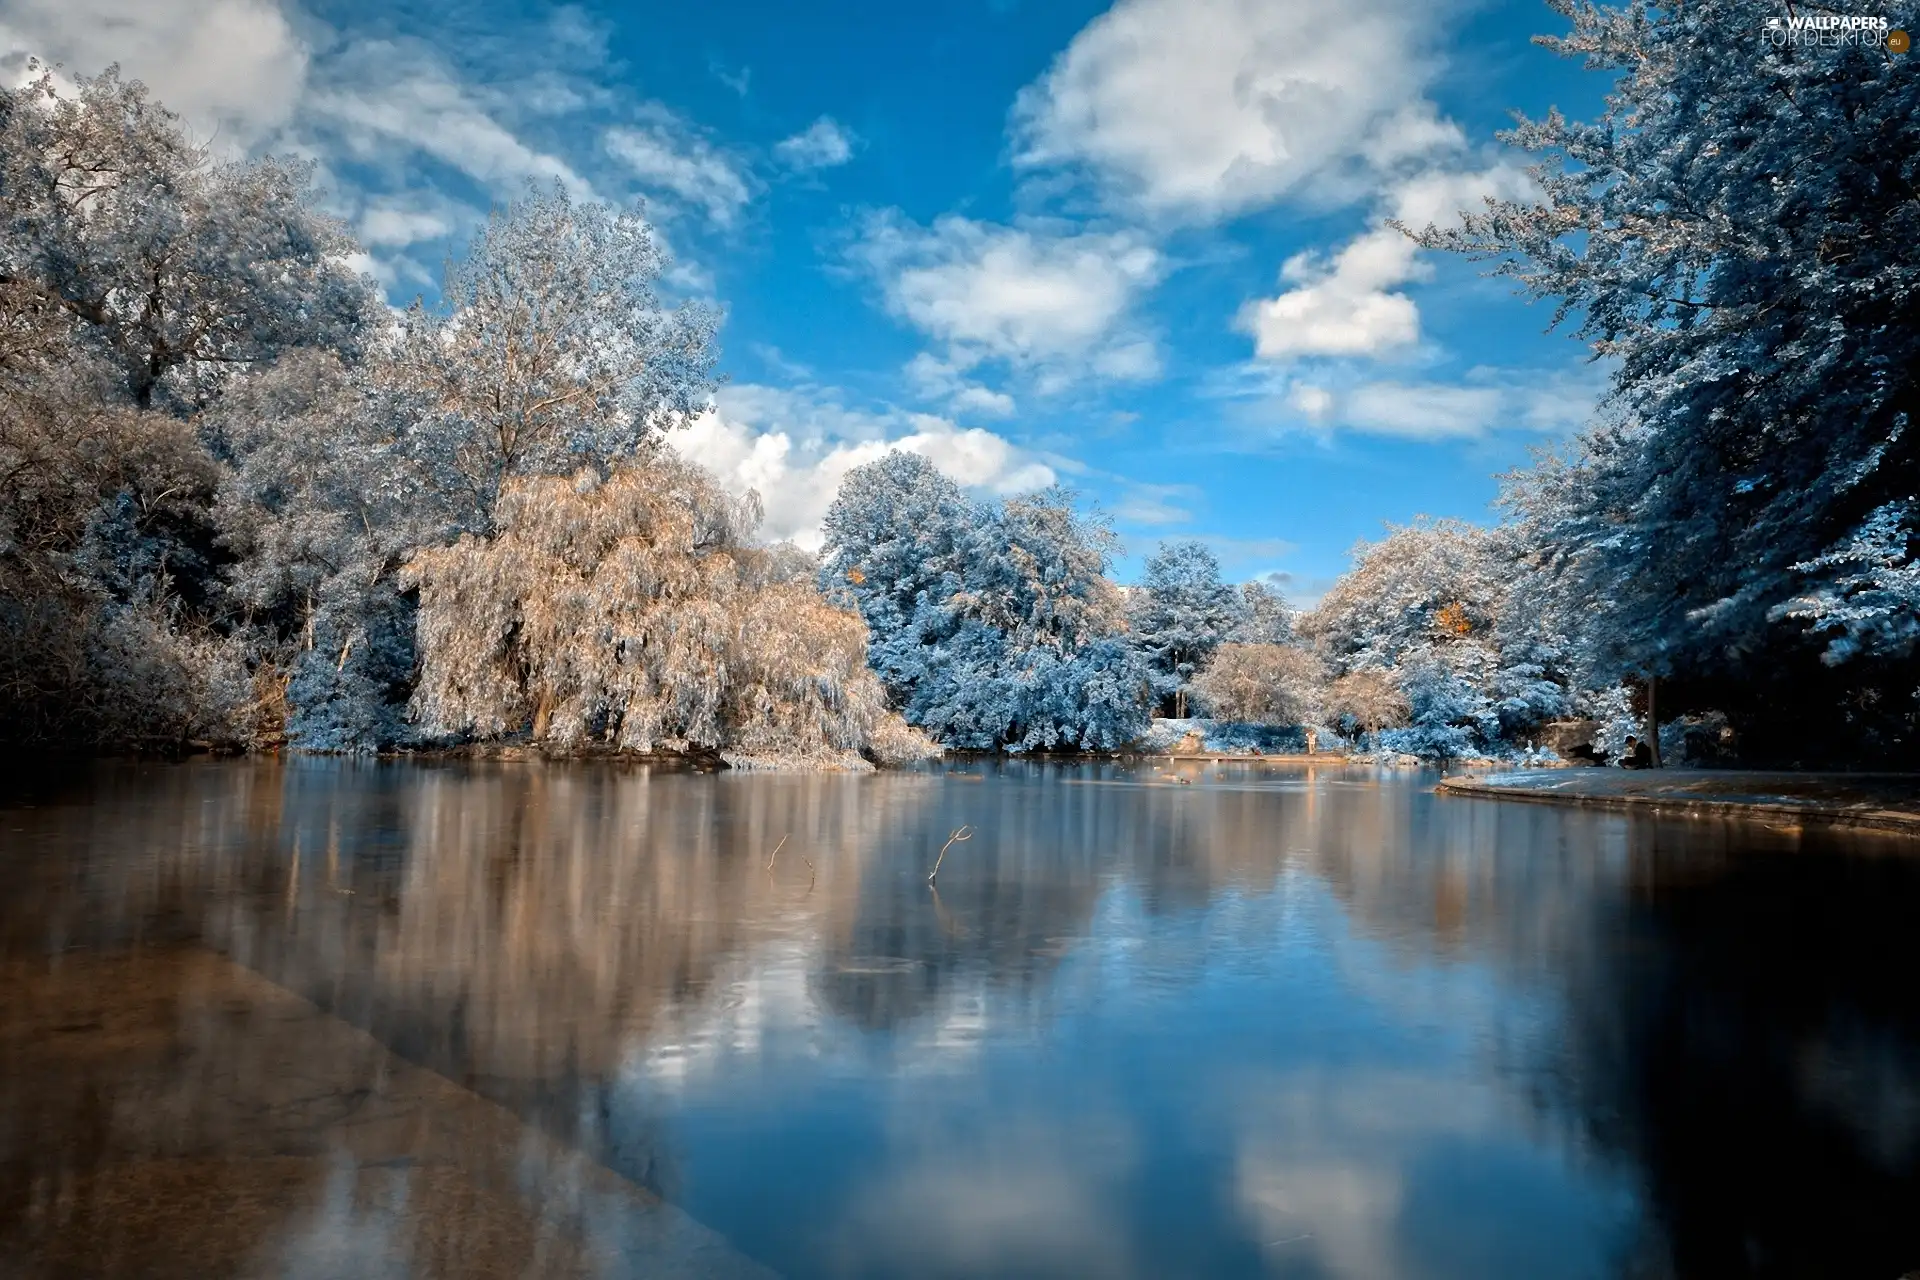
point(1364, 702)
point(1263, 684)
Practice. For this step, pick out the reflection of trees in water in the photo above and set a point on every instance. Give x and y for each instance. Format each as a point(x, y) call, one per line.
point(1737, 1023)
point(1746, 1034)
point(1730, 1014)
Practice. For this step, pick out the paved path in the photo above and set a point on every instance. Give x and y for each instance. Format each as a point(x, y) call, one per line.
point(165, 1113)
point(1874, 801)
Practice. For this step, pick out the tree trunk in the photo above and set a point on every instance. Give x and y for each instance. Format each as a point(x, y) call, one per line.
point(1179, 704)
point(1653, 719)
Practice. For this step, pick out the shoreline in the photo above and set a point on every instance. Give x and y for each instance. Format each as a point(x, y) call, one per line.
point(1887, 803)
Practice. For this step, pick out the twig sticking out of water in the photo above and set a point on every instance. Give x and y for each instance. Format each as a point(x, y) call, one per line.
point(776, 850)
point(959, 834)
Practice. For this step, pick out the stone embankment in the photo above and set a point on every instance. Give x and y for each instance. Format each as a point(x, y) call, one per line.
point(1865, 801)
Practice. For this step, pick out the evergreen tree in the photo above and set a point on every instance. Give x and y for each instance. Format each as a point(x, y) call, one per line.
point(1181, 613)
point(1739, 230)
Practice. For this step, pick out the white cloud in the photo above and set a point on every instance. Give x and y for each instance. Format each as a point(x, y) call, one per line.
point(414, 129)
point(235, 68)
point(975, 398)
point(1342, 309)
point(1483, 401)
point(667, 155)
point(1422, 411)
point(1437, 197)
point(937, 379)
point(1314, 402)
point(1153, 504)
point(795, 447)
point(1041, 298)
point(822, 145)
point(1349, 307)
point(1199, 109)
point(405, 218)
point(381, 99)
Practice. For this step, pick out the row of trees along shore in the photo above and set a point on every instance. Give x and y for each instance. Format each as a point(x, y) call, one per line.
point(243, 502)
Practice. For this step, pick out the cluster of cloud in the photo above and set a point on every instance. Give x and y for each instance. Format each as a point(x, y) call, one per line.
point(1196, 110)
point(821, 145)
point(1327, 396)
point(794, 446)
point(1038, 298)
point(412, 142)
point(1180, 115)
point(1349, 306)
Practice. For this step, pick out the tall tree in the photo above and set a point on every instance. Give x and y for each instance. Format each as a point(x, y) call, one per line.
point(632, 611)
point(320, 506)
point(1181, 612)
point(551, 349)
point(992, 627)
point(1740, 230)
point(180, 269)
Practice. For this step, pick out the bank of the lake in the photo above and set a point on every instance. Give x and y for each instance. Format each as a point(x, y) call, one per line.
point(1865, 801)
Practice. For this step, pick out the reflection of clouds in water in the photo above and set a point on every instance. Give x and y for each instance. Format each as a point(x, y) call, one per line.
point(1322, 1168)
point(757, 1004)
point(764, 1007)
point(347, 1232)
point(1020, 1194)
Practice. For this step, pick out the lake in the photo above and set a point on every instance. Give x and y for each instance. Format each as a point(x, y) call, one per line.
point(317, 1018)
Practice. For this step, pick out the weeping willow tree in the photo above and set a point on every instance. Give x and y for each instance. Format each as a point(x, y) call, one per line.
point(631, 612)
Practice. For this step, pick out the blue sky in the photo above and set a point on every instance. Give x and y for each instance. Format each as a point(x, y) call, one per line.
point(1135, 248)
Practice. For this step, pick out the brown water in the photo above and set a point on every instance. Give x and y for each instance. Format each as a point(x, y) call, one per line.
point(328, 1019)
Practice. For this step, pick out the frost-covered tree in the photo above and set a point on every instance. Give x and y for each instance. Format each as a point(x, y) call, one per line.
point(97, 507)
point(179, 269)
point(899, 538)
point(630, 611)
point(1181, 612)
point(138, 278)
point(551, 350)
point(1738, 230)
point(992, 627)
point(1366, 701)
point(320, 506)
point(1263, 684)
point(1265, 616)
point(1431, 586)
point(1451, 612)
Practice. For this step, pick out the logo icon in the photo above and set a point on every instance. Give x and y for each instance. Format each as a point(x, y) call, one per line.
point(1897, 42)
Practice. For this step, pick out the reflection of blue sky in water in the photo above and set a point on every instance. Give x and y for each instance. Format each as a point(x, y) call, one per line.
point(1269, 1023)
point(1245, 1086)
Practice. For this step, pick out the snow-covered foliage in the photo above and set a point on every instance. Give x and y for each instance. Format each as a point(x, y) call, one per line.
point(552, 351)
point(243, 503)
point(234, 484)
point(137, 280)
point(1263, 684)
point(1265, 617)
point(1181, 613)
point(1362, 703)
point(321, 503)
point(1428, 609)
point(1224, 737)
point(1738, 231)
point(177, 270)
point(993, 626)
point(631, 611)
